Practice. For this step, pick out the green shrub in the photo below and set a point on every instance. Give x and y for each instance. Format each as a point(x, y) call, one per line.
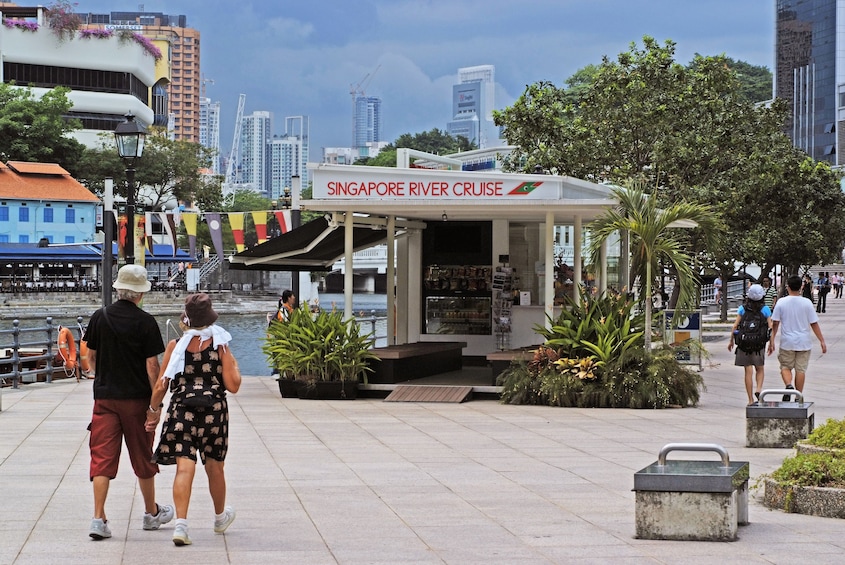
point(318, 347)
point(830, 434)
point(594, 356)
point(812, 470)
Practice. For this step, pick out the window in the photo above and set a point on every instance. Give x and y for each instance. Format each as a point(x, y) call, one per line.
point(4, 238)
point(69, 239)
point(23, 214)
point(48, 215)
point(4, 213)
point(23, 238)
point(70, 217)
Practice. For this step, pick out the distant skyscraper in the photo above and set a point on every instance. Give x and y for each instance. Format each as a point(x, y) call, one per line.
point(285, 159)
point(367, 122)
point(180, 46)
point(473, 101)
point(298, 127)
point(256, 134)
point(210, 130)
point(810, 74)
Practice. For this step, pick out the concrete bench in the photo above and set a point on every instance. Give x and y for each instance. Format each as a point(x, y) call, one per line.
point(778, 423)
point(407, 361)
point(501, 360)
point(692, 500)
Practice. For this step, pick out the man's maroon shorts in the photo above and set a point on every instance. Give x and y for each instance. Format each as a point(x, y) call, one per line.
point(113, 422)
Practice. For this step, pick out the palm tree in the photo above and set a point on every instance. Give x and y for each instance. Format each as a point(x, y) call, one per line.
point(654, 240)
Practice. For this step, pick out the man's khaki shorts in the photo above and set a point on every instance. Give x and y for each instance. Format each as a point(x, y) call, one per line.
point(797, 360)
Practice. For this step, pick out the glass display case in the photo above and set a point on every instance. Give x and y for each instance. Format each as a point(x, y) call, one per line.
point(465, 315)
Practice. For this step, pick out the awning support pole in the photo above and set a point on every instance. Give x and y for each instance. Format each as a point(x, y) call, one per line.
point(391, 280)
point(348, 281)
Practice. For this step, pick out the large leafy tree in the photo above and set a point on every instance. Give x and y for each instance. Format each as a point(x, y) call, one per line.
point(169, 169)
point(33, 129)
point(654, 240)
point(694, 133)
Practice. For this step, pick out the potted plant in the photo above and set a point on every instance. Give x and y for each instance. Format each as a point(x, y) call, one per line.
point(318, 355)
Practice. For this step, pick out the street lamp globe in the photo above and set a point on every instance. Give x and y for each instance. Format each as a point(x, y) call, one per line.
point(130, 136)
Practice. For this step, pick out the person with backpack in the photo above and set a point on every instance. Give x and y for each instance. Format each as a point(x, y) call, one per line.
point(798, 319)
point(823, 286)
point(749, 334)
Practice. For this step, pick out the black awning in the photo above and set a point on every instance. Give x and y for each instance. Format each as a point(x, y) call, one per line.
point(315, 246)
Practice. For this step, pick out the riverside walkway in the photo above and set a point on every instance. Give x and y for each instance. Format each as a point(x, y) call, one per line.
point(365, 481)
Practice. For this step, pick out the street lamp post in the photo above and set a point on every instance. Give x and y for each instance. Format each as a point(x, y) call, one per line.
point(130, 136)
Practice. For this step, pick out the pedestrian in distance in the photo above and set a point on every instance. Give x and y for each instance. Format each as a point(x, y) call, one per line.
point(749, 334)
point(771, 296)
point(796, 320)
point(200, 370)
point(822, 290)
point(286, 305)
point(717, 289)
point(123, 347)
point(806, 288)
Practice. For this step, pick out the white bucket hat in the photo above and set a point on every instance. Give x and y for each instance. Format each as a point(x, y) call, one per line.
point(132, 277)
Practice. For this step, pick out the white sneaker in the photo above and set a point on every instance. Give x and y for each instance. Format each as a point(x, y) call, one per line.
point(180, 535)
point(220, 524)
point(99, 529)
point(154, 521)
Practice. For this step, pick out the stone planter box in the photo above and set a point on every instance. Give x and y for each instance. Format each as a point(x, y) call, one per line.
point(806, 448)
point(813, 501)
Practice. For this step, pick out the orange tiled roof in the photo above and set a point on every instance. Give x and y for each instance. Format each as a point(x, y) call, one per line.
point(41, 181)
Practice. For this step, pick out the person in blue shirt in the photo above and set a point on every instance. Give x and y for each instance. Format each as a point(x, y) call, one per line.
point(753, 362)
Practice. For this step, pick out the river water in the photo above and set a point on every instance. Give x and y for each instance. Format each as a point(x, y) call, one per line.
point(249, 329)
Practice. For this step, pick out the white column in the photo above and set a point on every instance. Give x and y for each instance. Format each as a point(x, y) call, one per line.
point(414, 304)
point(403, 258)
point(390, 276)
point(603, 268)
point(576, 258)
point(549, 291)
point(348, 281)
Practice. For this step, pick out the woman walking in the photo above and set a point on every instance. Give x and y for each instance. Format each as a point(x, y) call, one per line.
point(199, 370)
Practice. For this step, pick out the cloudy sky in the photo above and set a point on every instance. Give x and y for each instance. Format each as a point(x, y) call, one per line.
point(301, 57)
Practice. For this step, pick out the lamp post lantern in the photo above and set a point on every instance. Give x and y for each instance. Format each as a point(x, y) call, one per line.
point(130, 136)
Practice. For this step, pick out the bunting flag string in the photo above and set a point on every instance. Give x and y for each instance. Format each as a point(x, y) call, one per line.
point(215, 227)
point(260, 221)
point(170, 221)
point(236, 223)
point(190, 221)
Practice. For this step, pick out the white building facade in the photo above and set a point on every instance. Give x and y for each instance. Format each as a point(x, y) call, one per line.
point(473, 102)
point(210, 131)
point(107, 77)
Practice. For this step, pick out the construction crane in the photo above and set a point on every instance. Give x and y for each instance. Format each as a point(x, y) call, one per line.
point(230, 180)
point(358, 90)
point(203, 82)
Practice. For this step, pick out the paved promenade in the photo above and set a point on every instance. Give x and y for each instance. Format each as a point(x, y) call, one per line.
point(364, 481)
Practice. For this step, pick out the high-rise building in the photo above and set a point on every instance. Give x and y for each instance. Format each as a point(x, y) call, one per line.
point(473, 102)
point(256, 134)
point(285, 163)
point(367, 122)
point(107, 77)
point(810, 74)
point(210, 131)
point(298, 127)
point(180, 46)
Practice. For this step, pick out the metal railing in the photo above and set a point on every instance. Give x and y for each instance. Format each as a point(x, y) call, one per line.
point(17, 354)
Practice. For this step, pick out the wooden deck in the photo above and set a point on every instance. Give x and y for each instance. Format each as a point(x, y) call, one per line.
point(430, 393)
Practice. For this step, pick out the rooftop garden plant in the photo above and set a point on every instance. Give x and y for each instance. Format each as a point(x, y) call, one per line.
point(63, 20)
point(99, 33)
point(145, 42)
point(24, 25)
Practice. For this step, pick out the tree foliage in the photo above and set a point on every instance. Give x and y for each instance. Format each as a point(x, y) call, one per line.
point(32, 129)
point(654, 240)
point(435, 141)
point(695, 135)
